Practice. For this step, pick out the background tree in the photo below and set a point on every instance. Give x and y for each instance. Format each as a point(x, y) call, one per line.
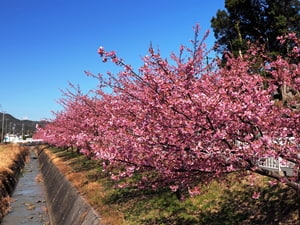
point(256, 21)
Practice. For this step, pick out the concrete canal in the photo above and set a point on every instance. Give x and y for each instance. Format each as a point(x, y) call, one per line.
point(28, 200)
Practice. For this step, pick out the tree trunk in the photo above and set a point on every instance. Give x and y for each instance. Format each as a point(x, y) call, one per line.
point(284, 93)
point(293, 184)
point(237, 27)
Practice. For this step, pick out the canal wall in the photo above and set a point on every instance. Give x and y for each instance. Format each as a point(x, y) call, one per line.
point(65, 205)
point(9, 180)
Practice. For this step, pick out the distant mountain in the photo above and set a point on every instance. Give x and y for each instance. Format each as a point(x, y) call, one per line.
point(15, 126)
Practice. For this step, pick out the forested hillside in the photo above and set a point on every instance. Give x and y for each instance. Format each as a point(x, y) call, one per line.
point(10, 124)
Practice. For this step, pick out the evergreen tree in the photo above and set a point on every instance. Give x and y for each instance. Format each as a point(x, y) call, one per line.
point(256, 20)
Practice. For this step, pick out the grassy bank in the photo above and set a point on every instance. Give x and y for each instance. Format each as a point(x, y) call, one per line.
point(12, 159)
point(218, 204)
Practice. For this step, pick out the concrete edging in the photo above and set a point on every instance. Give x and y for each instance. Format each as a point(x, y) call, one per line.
point(65, 205)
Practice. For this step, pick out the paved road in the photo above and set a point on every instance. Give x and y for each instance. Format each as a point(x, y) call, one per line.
point(29, 204)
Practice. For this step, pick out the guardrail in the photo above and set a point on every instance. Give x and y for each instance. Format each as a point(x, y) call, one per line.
point(277, 165)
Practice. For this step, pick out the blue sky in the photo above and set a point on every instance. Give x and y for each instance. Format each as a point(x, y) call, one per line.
point(44, 44)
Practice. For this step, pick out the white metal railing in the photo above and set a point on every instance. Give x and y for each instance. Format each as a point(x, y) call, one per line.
point(278, 165)
point(271, 163)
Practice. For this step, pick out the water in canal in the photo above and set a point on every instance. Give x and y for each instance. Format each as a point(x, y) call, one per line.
point(29, 202)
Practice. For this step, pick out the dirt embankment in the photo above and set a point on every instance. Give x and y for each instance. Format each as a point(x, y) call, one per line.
point(12, 160)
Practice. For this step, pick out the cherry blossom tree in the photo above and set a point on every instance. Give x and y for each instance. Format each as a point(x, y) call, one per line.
point(185, 121)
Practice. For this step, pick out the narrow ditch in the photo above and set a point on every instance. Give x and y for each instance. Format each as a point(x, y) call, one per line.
point(44, 196)
point(28, 204)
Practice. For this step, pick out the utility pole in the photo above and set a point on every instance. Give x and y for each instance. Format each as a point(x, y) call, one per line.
point(9, 127)
point(5, 129)
point(2, 134)
point(22, 130)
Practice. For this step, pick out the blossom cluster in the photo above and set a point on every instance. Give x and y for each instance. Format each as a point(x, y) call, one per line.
point(185, 121)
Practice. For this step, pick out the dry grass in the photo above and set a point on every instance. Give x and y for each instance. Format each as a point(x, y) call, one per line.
point(11, 159)
point(8, 153)
point(227, 203)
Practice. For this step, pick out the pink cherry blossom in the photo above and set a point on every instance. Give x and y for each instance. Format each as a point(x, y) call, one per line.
point(256, 195)
point(181, 121)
